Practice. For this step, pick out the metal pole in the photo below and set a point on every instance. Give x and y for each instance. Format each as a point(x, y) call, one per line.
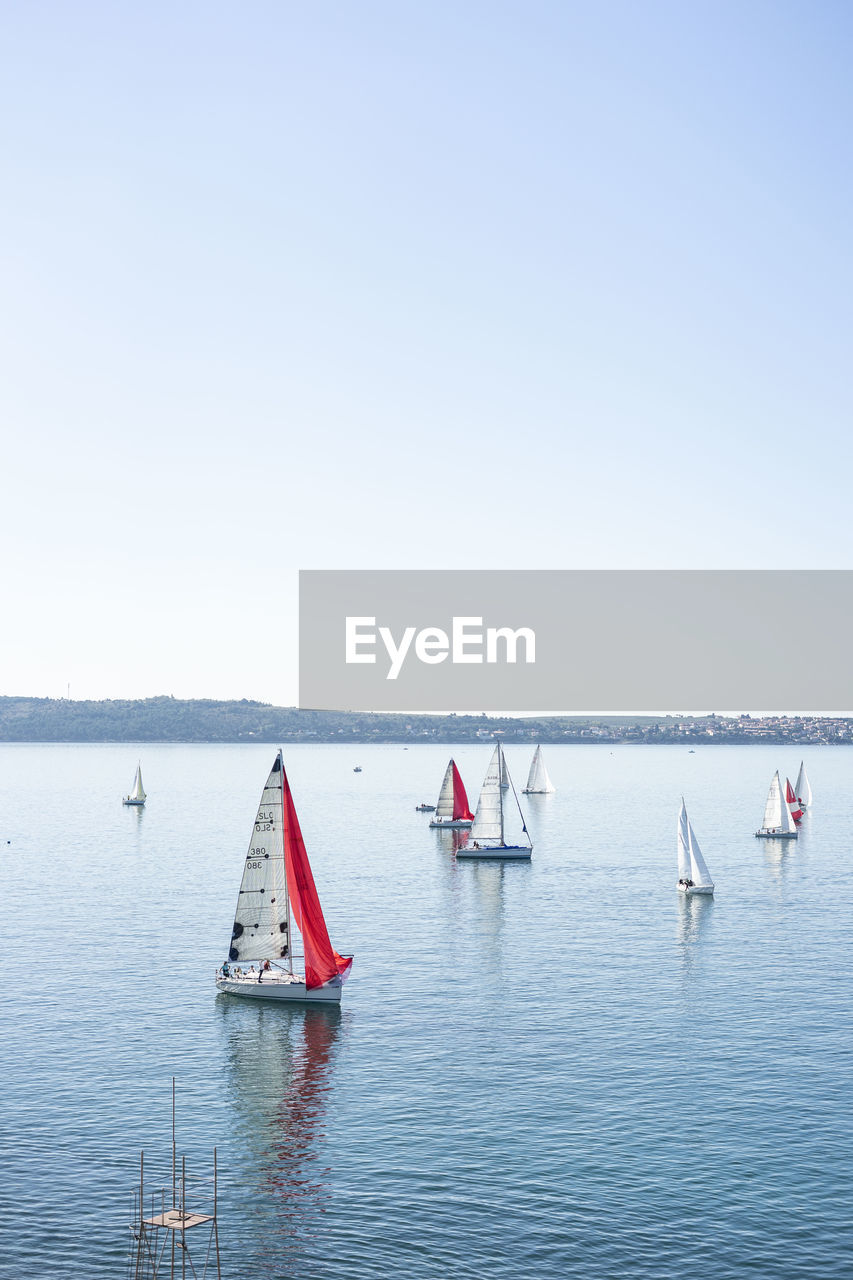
point(174, 1206)
point(215, 1227)
point(183, 1217)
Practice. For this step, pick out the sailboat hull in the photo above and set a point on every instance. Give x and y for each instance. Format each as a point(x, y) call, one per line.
point(695, 888)
point(517, 851)
point(777, 835)
point(452, 822)
point(538, 791)
point(278, 989)
point(128, 800)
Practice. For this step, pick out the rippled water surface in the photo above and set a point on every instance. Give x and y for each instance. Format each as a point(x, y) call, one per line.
point(560, 1069)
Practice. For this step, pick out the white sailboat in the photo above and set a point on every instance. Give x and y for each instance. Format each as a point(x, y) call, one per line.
point(803, 788)
point(137, 792)
point(487, 838)
point(778, 819)
point(277, 891)
point(538, 782)
point(693, 873)
point(451, 809)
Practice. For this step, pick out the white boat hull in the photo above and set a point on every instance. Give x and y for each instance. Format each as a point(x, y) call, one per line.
point(696, 888)
point(452, 822)
point(280, 989)
point(538, 791)
point(517, 851)
point(778, 835)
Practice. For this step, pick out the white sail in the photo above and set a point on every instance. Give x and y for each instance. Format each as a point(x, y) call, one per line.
point(803, 788)
point(699, 873)
point(261, 922)
point(444, 807)
point(538, 780)
point(138, 793)
point(488, 820)
point(693, 873)
point(777, 814)
point(683, 844)
point(504, 773)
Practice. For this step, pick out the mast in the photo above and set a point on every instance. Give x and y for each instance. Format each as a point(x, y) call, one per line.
point(289, 956)
point(500, 789)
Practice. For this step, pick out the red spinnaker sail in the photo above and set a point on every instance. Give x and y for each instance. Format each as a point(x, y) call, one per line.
point(793, 802)
point(460, 799)
point(322, 961)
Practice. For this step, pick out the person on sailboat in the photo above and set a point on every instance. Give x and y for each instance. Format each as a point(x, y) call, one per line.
point(226, 970)
point(262, 969)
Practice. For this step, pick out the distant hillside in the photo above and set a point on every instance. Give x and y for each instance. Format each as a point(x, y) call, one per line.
point(167, 719)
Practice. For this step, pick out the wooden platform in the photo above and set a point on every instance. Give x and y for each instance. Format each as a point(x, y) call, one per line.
point(174, 1220)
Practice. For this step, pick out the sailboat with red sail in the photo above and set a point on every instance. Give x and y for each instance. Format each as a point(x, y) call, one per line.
point(277, 892)
point(793, 802)
point(452, 808)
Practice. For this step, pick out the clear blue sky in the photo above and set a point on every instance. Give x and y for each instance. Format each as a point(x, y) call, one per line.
point(387, 285)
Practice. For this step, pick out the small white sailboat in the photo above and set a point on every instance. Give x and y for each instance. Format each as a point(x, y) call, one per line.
point(278, 890)
point(137, 794)
point(778, 819)
point(487, 838)
point(452, 809)
point(538, 782)
point(803, 788)
point(693, 873)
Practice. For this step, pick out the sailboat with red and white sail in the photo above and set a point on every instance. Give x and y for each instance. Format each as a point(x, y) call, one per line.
point(778, 820)
point(452, 808)
point(803, 788)
point(277, 892)
point(793, 802)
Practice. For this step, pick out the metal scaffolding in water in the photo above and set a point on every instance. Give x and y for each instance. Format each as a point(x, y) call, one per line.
point(161, 1221)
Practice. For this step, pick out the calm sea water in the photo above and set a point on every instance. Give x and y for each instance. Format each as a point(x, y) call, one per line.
point(561, 1069)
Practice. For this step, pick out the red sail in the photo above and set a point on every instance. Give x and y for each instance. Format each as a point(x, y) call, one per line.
point(322, 962)
point(793, 802)
point(460, 799)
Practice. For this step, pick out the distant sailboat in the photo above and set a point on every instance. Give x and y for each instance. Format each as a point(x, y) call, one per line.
point(487, 838)
point(137, 795)
point(693, 874)
point(452, 808)
point(803, 788)
point(538, 782)
point(778, 821)
point(278, 887)
point(793, 802)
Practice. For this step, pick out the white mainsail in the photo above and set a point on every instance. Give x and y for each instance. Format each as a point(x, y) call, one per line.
point(138, 792)
point(262, 920)
point(803, 788)
point(538, 780)
point(778, 819)
point(444, 807)
point(683, 844)
point(488, 820)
